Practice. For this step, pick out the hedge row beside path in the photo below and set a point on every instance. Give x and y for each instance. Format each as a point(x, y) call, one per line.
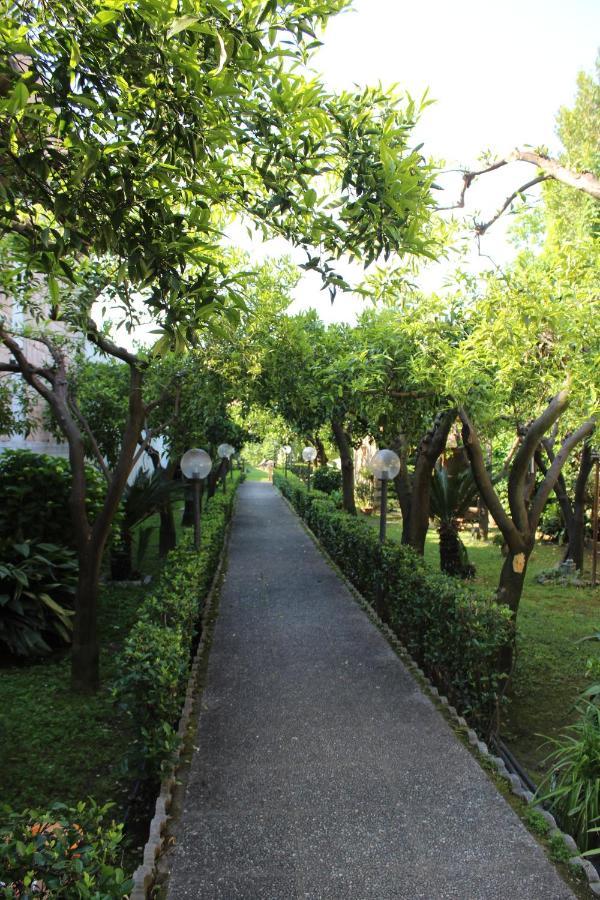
point(77, 851)
point(453, 633)
point(156, 658)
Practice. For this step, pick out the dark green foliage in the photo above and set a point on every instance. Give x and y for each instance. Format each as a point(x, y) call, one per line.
point(327, 479)
point(453, 633)
point(34, 497)
point(73, 852)
point(37, 585)
point(141, 500)
point(156, 658)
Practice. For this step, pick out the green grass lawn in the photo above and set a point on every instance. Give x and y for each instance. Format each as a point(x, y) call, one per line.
point(254, 474)
point(55, 746)
point(550, 666)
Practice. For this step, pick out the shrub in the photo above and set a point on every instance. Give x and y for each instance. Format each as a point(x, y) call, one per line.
point(572, 786)
point(37, 585)
point(62, 852)
point(35, 489)
point(156, 658)
point(454, 633)
point(327, 479)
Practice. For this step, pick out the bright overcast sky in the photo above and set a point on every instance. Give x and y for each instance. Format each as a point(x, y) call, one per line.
point(498, 72)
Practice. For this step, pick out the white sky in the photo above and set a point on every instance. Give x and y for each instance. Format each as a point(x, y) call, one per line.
point(498, 72)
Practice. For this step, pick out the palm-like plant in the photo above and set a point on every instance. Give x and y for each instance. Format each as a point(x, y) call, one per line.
point(141, 499)
point(450, 498)
point(572, 786)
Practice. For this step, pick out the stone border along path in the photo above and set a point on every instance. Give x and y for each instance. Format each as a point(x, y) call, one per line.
point(322, 770)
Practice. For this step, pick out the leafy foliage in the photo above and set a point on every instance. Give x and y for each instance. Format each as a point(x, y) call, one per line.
point(156, 658)
point(35, 497)
point(37, 584)
point(454, 634)
point(61, 852)
point(572, 786)
point(327, 479)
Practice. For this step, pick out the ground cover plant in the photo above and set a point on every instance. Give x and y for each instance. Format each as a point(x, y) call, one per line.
point(97, 747)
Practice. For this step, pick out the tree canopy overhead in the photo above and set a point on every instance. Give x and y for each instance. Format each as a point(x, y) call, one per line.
point(134, 128)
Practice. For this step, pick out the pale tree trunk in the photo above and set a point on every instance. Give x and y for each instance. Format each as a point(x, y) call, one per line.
point(518, 526)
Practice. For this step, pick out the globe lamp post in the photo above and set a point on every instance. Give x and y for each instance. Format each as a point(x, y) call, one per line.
point(225, 451)
point(309, 454)
point(384, 465)
point(286, 450)
point(195, 465)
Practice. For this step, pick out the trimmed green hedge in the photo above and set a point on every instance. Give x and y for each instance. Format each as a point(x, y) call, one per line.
point(156, 659)
point(454, 633)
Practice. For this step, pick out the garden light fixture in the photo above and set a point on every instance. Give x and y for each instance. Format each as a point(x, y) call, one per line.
point(286, 450)
point(309, 454)
point(225, 451)
point(195, 465)
point(384, 465)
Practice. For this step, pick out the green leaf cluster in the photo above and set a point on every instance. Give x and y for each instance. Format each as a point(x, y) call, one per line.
point(63, 852)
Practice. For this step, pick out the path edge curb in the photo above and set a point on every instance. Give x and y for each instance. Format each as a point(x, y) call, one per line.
point(145, 874)
point(479, 746)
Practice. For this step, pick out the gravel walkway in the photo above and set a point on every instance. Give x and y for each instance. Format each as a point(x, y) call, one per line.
point(322, 770)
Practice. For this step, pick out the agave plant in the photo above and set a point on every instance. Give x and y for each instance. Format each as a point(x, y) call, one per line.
point(37, 584)
point(450, 498)
point(572, 786)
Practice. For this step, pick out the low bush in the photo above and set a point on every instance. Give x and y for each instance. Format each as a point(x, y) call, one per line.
point(37, 586)
point(62, 852)
point(327, 479)
point(156, 657)
point(454, 633)
point(35, 492)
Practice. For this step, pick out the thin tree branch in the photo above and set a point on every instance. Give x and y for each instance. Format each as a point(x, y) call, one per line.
point(104, 343)
point(96, 449)
point(482, 227)
point(550, 168)
point(547, 485)
point(484, 482)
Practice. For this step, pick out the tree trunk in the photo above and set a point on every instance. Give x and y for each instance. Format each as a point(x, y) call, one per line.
point(85, 653)
point(342, 439)
point(121, 557)
point(512, 578)
point(483, 519)
point(576, 529)
point(321, 459)
point(430, 448)
point(167, 535)
point(451, 552)
point(402, 486)
point(214, 479)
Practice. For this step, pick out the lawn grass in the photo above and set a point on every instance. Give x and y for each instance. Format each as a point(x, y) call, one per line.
point(56, 746)
point(550, 665)
point(254, 474)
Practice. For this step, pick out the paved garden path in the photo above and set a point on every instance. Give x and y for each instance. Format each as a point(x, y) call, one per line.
point(322, 770)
